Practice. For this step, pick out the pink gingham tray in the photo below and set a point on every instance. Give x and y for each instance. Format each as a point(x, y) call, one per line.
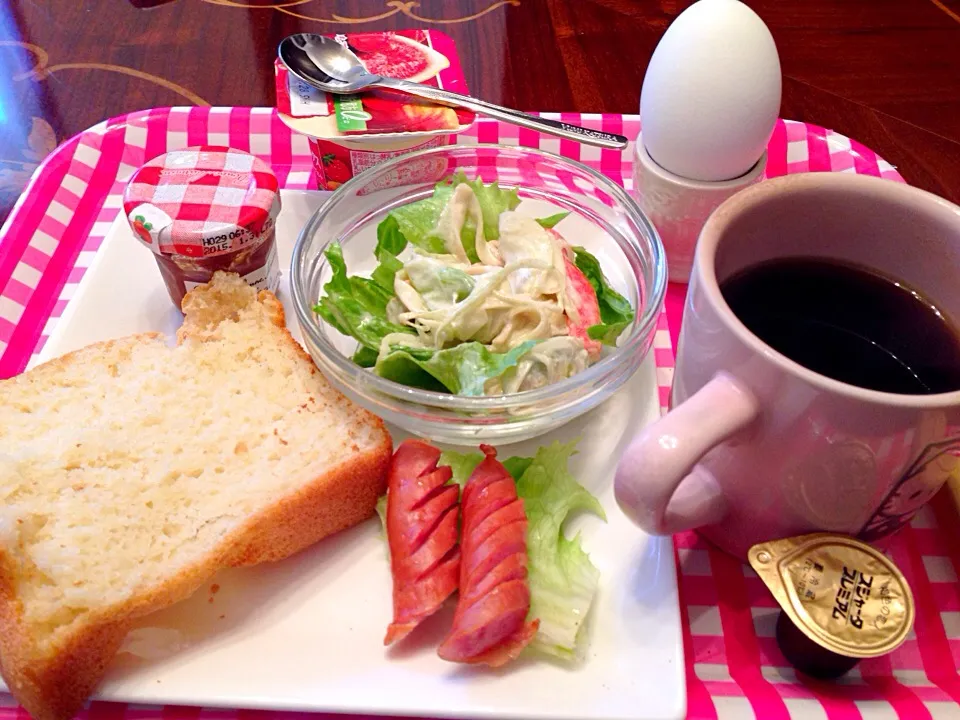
point(734, 669)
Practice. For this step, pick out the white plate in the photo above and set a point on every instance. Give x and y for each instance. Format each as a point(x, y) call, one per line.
point(307, 633)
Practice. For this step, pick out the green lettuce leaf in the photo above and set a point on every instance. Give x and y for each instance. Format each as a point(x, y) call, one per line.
point(615, 312)
point(417, 222)
point(563, 581)
point(517, 466)
point(356, 306)
point(384, 273)
point(389, 237)
point(390, 243)
point(607, 333)
point(365, 357)
point(493, 200)
point(552, 220)
point(462, 464)
point(382, 514)
point(461, 370)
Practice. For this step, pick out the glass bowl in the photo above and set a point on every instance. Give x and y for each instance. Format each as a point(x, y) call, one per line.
point(604, 219)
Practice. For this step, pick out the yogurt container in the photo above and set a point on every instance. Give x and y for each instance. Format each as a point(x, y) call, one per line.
point(204, 209)
point(351, 133)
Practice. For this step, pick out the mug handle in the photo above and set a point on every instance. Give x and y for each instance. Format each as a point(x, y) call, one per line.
point(658, 483)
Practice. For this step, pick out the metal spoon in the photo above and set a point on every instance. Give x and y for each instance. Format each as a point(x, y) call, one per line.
point(325, 64)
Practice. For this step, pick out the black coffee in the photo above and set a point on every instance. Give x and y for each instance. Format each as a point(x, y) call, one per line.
point(849, 323)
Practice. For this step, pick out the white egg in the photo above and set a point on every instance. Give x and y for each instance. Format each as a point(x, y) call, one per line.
point(711, 95)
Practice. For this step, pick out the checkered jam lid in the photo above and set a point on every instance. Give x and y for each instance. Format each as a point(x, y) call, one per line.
point(202, 201)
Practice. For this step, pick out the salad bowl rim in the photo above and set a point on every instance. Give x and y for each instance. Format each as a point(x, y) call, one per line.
point(646, 316)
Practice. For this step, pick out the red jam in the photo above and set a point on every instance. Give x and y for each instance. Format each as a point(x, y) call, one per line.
point(205, 209)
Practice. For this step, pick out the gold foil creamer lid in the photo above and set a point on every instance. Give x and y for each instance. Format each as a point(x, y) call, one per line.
point(840, 592)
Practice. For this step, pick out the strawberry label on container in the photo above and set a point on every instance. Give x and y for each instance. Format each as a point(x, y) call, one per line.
point(424, 56)
point(332, 163)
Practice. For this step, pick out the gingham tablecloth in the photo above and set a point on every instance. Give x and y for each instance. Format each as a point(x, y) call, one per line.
point(734, 669)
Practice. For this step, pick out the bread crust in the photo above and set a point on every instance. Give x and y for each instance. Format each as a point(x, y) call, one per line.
point(55, 686)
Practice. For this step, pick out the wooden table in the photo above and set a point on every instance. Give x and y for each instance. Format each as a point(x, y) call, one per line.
point(886, 72)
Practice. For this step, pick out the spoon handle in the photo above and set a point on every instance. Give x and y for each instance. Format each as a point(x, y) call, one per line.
point(515, 117)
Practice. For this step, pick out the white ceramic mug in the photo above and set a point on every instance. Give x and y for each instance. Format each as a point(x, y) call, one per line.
point(758, 447)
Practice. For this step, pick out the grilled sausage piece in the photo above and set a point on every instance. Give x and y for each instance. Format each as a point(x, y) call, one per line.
point(490, 624)
point(422, 515)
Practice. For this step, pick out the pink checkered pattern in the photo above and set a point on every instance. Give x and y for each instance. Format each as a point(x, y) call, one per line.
point(54, 231)
point(194, 194)
point(734, 669)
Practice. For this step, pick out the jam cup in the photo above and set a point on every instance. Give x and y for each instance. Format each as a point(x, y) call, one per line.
point(204, 209)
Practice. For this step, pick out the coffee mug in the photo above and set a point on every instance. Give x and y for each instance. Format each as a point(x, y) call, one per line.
point(758, 447)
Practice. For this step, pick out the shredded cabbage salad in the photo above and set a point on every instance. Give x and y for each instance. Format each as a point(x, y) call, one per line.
point(473, 298)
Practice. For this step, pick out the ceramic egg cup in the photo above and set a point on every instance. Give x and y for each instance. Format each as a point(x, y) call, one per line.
point(678, 206)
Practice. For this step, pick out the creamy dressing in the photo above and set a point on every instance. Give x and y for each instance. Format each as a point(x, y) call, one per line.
point(439, 284)
point(460, 207)
point(522, 238)
point(548, 362)
point(515, 294)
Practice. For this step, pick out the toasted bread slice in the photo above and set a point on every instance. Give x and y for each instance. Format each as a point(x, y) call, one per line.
point(131, 472)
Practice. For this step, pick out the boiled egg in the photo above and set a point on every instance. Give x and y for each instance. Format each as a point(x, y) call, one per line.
point(711, 95)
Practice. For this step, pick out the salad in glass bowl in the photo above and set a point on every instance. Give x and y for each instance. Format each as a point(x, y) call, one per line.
point(471, 297)
point(478, 292)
